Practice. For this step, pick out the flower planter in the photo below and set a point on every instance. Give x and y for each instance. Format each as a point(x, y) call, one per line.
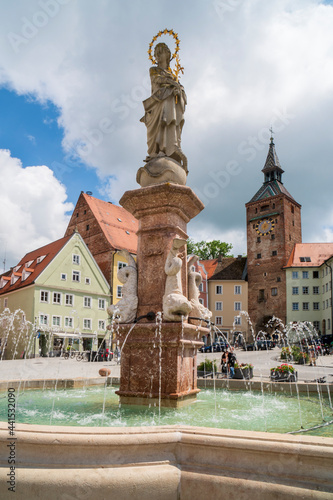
point(243, 373)
point(284, 376)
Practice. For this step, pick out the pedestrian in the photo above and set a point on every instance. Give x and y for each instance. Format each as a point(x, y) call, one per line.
point(231, 362)
point(224, 362)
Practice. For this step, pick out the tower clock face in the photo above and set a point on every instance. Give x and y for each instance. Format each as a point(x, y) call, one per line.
point(265, 226)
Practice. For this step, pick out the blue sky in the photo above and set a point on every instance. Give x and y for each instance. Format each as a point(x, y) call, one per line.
point(74, 73)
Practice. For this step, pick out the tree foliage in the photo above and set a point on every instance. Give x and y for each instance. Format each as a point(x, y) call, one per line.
point(209, 249)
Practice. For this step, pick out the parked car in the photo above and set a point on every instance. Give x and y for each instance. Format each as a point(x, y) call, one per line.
point(260, 345)
point(215, 347)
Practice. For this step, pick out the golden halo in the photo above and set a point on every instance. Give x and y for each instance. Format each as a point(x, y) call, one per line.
point(174, 55)
point(160, 33)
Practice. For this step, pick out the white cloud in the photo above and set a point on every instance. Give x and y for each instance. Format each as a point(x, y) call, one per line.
point(33, 208)
point(243, 70)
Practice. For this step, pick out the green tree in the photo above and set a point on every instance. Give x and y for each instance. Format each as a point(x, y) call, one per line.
point(209, 249)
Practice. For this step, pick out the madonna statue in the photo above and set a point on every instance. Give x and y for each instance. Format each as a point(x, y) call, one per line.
point(164, 119)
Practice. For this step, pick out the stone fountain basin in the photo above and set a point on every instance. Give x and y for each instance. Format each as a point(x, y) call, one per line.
point(168, 462)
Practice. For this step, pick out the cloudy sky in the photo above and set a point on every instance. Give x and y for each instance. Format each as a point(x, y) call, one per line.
point(73, 74)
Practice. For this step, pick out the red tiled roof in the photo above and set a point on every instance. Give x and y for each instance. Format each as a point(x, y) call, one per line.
point(210, 266)
point(117, 224)
point(50, 251)
point(317, 252)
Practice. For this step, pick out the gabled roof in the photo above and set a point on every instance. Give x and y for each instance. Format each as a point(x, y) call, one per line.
point(210, 266)
point(117, 224)
point(230, 268)
point(316, 252)
point(31, 266)
point(270, 189)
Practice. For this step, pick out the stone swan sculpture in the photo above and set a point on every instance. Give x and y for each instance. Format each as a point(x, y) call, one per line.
point(175, 304)
point(194, 281)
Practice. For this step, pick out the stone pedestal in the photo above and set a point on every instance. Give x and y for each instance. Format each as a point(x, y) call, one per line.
point(163, 212)
point(159, 368)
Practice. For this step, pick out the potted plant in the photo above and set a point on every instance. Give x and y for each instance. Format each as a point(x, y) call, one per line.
point(207, 368)
point(284, 373)
point(243, 371)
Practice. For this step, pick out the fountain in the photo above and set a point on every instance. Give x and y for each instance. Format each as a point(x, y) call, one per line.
point(159, 368)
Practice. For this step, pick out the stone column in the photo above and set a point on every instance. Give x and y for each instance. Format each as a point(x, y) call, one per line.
point(159, 366)
point(163, 211)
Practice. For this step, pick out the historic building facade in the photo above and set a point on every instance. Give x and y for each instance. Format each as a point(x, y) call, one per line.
point(273, 228)
point(106, 229)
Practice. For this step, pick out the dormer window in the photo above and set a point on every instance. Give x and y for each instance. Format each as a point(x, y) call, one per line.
point(118, 219)
point(305, 259)
point(39, 259)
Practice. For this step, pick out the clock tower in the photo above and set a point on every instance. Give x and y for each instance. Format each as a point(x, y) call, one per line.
point(273, 227)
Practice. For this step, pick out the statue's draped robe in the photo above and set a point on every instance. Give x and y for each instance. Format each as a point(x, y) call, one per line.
point(164, 114)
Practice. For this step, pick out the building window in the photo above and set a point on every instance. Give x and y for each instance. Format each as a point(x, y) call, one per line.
point(76, 276)
point(237, 306)
point(315, 290)
point(56, 321)
point(326, 287)
point(295, 306)
point(323, 304)
point(316, 306)
point(56, 298)
point(305, 306)
point(87, 281)
point(261, 295)
point(76, 259)
point(305, 290)
point(278, 279)
point(219, 289)
point(237, 320)
point(274, 253)
point(101, 324)
point(218, 320)
point(274, 292)
point(305, 275)
point(87, 324)
point(101, 304)
point(87, 227)
point(258, 239)
point(201, 287)
point(121, 265)
point(238, 289)
point(258, 255)
point(316, 325)
point(295, 290)
point(218, 306)
point(63, 276)
point(69, 299)
point(295, 275)
point(5, 302)
point(119, 292)
point(201, 301)
point(43, 319)
point(68, 322)
point(272, 236)
point(87, 302)
point(315, 274)
point(44, 296)
point(328, 324)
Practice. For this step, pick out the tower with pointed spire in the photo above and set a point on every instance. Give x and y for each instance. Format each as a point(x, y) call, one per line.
point(273, 227)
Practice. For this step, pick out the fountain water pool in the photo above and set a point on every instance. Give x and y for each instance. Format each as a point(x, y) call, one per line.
point(239, 410)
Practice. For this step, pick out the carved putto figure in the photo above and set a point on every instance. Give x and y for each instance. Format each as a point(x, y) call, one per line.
point(175, 304)
point(125, 310)
point(194, 281)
